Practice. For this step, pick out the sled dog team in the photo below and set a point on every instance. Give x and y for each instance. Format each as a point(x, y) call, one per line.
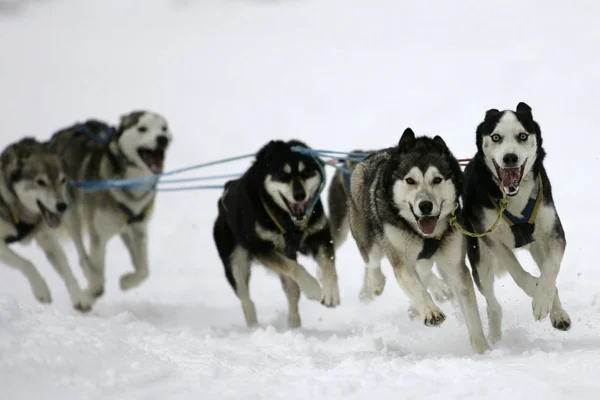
point(401, 203)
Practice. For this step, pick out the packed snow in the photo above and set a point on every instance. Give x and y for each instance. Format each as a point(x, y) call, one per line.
point(338, 74)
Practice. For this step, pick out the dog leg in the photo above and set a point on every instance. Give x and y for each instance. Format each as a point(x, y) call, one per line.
point(73, 225)
point(548, 258)
point(98, 244)
point(38, 284)
point(374, 279)
point(279, 263)
point(292, 292)
point(321, 248)
point(483, 271)
point(136, 241)
point(240, 267)
point(460, 280)
point(408, 279)
point(56, 256)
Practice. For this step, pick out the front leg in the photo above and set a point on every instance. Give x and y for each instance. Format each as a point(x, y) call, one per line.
point(320, 245)
point(136, 241)
point(548, 257)
point(38, 284)
point(56, 256)
point(409, 281)
point(291, 268)
point(72, 222)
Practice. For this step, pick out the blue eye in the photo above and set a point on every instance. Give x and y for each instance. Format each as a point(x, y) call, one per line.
point(523, 136)
point(495, 137)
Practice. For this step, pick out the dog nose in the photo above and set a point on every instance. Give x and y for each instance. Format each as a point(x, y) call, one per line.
point(162, 141)
point(426, 207)
point(510, 160)
point(298, 192)
point(61, 207)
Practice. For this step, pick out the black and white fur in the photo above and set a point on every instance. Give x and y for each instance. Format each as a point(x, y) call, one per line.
point(401, 202)
point(337, 200)
point(95, 151)
point(283, 183)
point(33, 200)
point(509, 160)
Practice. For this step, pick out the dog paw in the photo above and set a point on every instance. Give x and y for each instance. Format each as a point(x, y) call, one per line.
point(83, 302)
point(494, 335)
point(373, 285)
point(294, 321)
point(41, 291)
point(480, 345)
point(560, 320)
point(330, 296)
point(95, 291)
point(434, 317)
point(542, 303)
point(311, 289)
point(413, 313)
point(132, 280)
point(440, 290)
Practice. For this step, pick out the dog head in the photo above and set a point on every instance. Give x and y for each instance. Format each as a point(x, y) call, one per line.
point(511, 145)
point(143, 137)
point(425, 180)
point(35, 177)
point(292, 180)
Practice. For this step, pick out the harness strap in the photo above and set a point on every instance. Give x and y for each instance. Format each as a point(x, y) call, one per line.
point(23, 228)
point(430, 246)
point(280, 224)
point(529, 212)
point(131, 217)
point(346, 174)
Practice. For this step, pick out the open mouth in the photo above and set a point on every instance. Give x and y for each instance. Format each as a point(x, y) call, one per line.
point(52, 219)
point(427, 224)
point(510, 178)
point(154, 159)
point(298, 211)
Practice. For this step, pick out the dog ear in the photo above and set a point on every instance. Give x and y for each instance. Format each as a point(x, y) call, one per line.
point(10, 164)
point(439, 143)
point(266, 151)
point(407, 139)
point(491, 113)
point(523, 108)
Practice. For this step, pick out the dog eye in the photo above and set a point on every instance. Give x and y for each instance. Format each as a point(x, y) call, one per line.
point(63, 181)
point(495, 137)
point(410, 181)
point(142, 129)
point(523, 136)
point(40, 182)
point(164, 128)
point(437, 180)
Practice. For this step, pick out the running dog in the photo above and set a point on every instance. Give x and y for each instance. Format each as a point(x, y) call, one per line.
point(95, 151)
point(338, 217)
point(401, 203)
point(269, 215)
point(509, 166)
point(33, 199)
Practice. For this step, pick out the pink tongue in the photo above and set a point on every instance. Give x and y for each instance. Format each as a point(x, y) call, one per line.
point(427, 224)
point(510, 176)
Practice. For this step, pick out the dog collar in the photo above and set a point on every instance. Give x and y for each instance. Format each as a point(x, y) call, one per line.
point(23, 228)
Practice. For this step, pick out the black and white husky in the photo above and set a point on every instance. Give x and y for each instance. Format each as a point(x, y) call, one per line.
point(509, 164)
point(401, 202)
point(269, 215)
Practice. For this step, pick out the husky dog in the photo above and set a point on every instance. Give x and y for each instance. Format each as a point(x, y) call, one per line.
point(509, 164)
point(94, 151)
point(269, 215)
point(401, 202)
point(33, 199)
point(338, 217)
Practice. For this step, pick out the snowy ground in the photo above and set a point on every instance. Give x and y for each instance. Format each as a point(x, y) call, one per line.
point(339, 74)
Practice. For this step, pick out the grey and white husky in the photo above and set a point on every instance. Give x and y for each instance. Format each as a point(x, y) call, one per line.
point(94, 151)
point(401, 202)
point(338, 216)
point(33, 199)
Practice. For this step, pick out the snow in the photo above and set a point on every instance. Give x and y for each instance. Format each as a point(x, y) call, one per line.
point(338, 74)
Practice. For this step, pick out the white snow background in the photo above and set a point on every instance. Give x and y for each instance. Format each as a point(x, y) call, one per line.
point(339, 74)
